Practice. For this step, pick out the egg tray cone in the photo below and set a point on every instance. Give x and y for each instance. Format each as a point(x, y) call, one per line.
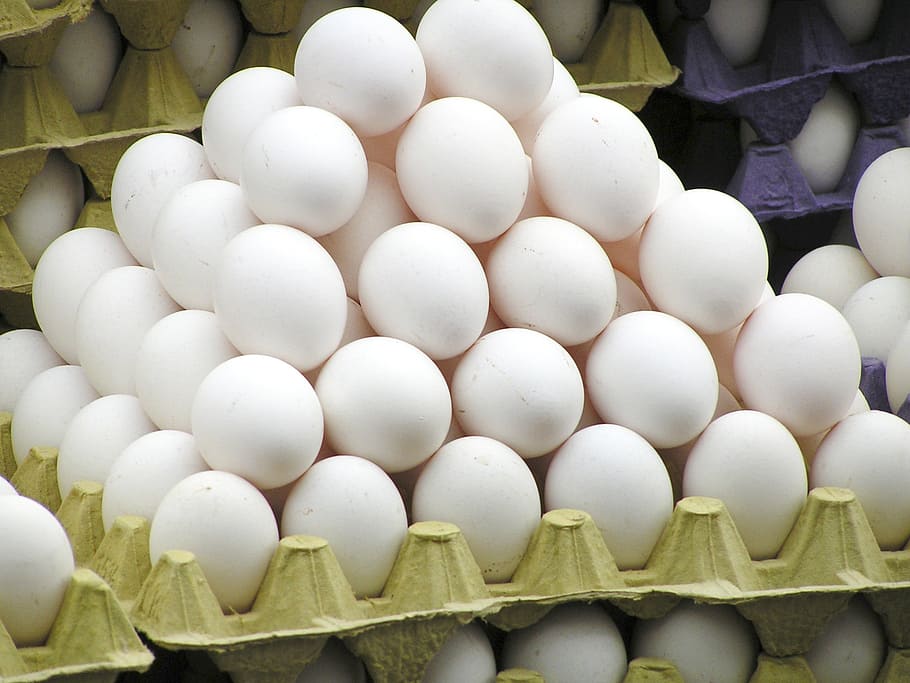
point(829, 557)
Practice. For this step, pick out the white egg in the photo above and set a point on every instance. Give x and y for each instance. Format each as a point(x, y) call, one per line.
point(703, 259)
point(533, 206)
point(23, 354)
point(86, 59)
point(809, 444)
point(486, 489)
point(422, 283)
point(618, 478)
point(856, 20)
point(653, 374)
point(68, 266)
point(208, 42)
point(174, 356)
point(278, 292)
point(549, 275)
point(797, 359)
point(880, 206)
point(145, 470)
point(46, 406)
point(304, 167)
point(35, 569)
point(363, 66)
point(113, 317)
point(575, 643)
point(492, 50)
point(569, 25)
point(354, 505)
point(629, 296)
point(96, 436)
point(753, 464)
point(192, 228)
point(877, 312)
point(7, 489)
point(851, 648)
point(239, 103)
point(316, 9)
point(897, 375)
point(601, 141)
point(258, 417)
point(520, 387)
point(562, 89)
point(335, 662)
point(868, 453)
point(149, 171)
point(382, 208)
point(466, 655)
point(48, 207)
point(691, 636)
point(825, 143)
point(227, 524)
point(381, 149)
point(831, 272)
point(385, 400)
point(461, 165)
point(738, 27)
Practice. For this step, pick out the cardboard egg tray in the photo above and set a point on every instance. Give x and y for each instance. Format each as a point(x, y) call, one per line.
point(435, 586)
point(802, 51)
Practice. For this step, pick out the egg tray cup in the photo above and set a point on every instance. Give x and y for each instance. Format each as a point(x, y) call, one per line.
point(435, 585)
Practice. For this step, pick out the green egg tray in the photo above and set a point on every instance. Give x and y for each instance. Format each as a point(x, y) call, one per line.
point(435, 585)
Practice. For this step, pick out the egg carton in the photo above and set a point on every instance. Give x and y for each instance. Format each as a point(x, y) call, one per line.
point(435, 586)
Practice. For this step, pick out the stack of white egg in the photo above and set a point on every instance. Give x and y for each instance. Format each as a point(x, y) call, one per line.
point(424, 264)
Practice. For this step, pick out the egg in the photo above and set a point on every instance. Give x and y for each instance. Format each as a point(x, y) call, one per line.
point(362, 65)
point(148, 172)
point(23, 354)
point(753, 464)
point(738, 27)
point(46, 407)
point(461, 165)
point(48, 207)
point(602, 141)
point(485, 489)
point(228, 526)
point(562, 89)
point(618, 478)
point(897, 375)
point(278, 292)
point(304, 167)
point(489, 50)
point(831, 272)
point(856, 21)
point(691, 636)
point(382, 208)
point(629, 296)
point(879, 207)
point(423, 284)
point(34, 577)
point(6, 489)
point(86, 59)
point(145, 470)
point(354, 505)
point(867, 453)
point(877, 312)
point(335, 662)
point(208, 42)
point(703, 259)
point(796, 358)
point(520, 387)
point(113, 317)
point(549, 275)
point(851, 648)
point(258, 417)
point(652, 373)
point(314, 10)
point(173, 357)
point(385, 400)
point(533, 206)
point(574, 642)
point(466, 655)
point(65, 270)
point(95, 437)
point(825, 143)
point(569, 26)
point(236, 106)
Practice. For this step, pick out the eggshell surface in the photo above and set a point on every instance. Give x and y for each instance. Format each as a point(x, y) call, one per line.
point(832, 272)
point(877, 312)
point(851, 648)
point(23, 354)
point(465, 655)
point(879, 207)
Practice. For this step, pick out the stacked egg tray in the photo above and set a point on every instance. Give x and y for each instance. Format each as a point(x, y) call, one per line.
point(829, 557)
point(802, 51)
point(152, 93)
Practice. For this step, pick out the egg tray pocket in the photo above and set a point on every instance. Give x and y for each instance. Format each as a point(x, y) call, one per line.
point(435, 585)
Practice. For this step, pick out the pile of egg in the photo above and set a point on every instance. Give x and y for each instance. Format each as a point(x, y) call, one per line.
point(426, 279)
